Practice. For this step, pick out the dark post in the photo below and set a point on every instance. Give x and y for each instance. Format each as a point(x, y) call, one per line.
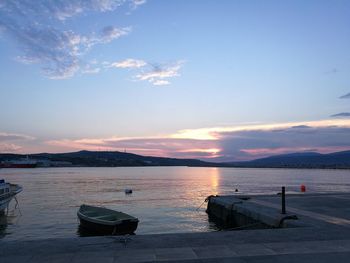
point(283, 199)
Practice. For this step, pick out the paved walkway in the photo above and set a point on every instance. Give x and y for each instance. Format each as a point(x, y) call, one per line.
point(313, 215)
point(114, 251)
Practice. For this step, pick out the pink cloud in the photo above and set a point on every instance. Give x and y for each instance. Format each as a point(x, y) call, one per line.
point(229, 143)
point(165, 147)
point(264, 152)
point(9, 148)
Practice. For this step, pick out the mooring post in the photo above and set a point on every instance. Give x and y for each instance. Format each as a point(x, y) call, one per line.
point(283, 199)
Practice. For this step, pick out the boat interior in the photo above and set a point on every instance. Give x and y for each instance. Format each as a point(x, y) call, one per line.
point(107, 215)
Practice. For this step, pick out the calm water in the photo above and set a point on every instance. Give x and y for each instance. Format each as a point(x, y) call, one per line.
point(165, 199)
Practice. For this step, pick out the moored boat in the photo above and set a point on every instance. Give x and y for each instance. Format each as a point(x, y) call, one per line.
point(7, 192)
point(19, 163)
point(106, 221)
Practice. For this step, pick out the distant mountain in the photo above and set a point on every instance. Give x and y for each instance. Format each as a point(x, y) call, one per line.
point(339, 160)
point(301, 160)
point(107, 159)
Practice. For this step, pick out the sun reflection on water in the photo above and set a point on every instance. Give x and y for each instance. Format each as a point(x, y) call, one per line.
point(214, 180)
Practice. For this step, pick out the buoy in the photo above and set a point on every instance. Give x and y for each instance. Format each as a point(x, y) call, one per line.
point(303, 188)
point(128, 191)
point(236, 190)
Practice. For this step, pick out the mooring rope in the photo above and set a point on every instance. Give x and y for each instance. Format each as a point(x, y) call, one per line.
point(206, 200)
point(125, 239)
point(17, 206)
point(201, 205)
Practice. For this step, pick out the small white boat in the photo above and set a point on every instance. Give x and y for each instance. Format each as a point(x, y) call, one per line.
point(106, 221)
point(7, 192)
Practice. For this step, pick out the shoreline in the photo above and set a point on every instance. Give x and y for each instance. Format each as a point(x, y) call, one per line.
point(150, 166)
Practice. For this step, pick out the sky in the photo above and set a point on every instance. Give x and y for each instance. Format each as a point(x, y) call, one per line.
point(226, 80)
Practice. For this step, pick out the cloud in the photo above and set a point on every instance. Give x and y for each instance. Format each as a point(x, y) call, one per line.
point(136, 3)
point(129, 63)
point(346, 96)
point(90, 70)
point(13, 137)
point(59, 52)
point(159, 74)
point(110, 33)
point(234, 143)
point(160, 82)
point(251, 144)
point(342, 114)
point(59, 9)
point(301, 127)
point(9, 148)
point(41, 31)
point(166, 147)
point(9, 142)
point(36, 26)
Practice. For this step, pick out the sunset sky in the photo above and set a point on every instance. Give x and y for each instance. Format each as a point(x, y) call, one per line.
point(220, 80)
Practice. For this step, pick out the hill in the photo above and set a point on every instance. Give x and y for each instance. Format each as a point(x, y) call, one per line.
point(106, 159)
point(301, 160)
point(339, 160)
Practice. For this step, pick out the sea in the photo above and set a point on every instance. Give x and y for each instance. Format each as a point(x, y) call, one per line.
point(165, 199)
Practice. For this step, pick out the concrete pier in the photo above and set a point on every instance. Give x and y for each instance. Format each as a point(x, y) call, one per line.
point(322, 234)
point(242, 212)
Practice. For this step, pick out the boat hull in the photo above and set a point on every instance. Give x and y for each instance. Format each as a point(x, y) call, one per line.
point(19, 165)
point(5, 199)
point(124, 228)
point(4, 204)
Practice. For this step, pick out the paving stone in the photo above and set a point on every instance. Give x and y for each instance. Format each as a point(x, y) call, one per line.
point(147, 257)
point(325, 246)
point(134, 255)
point(16, 259)
point(344, 243)
point(163, 254)
point(289, 247)
point(212, 260)
point(214, 252)
point(55, 258)
point(251, 250)
point(93, 257)
point(129, 251)
point(341, 257)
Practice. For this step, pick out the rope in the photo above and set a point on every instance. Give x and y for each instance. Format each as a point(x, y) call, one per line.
point(201, 205)
point(17, 206)
point(125, 239)
point(206, 200)
point(114, 230)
